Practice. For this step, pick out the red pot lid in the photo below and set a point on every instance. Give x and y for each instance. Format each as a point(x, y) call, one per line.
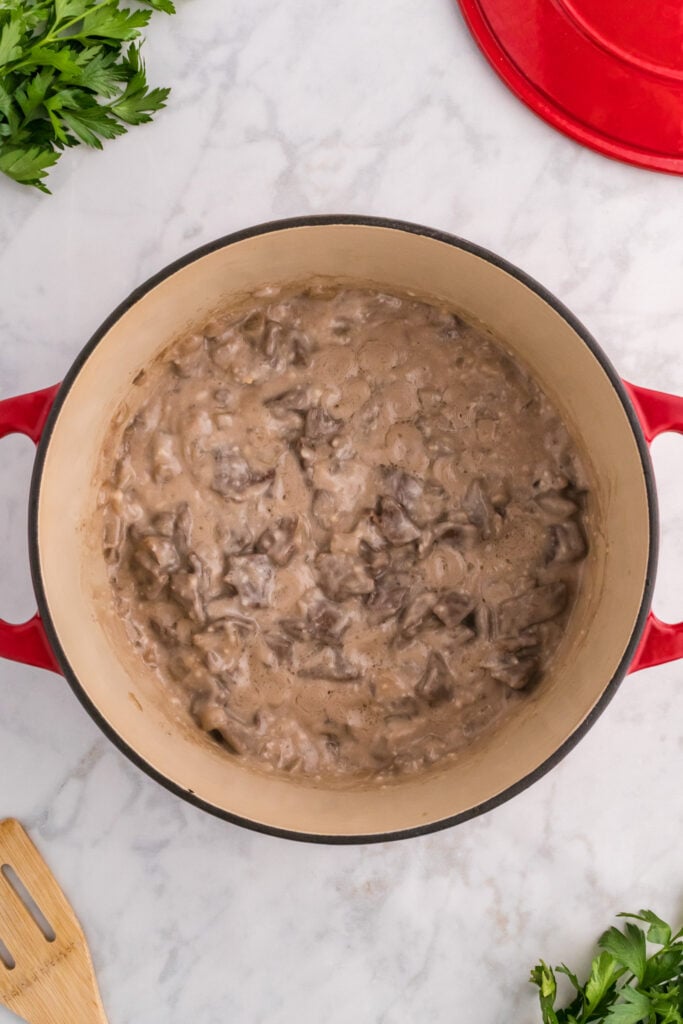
point(608, 73)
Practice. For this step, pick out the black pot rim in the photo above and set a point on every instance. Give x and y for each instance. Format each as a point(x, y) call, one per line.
point(448, 239)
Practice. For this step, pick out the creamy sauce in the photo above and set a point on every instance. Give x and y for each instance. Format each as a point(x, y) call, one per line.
point(345, 528)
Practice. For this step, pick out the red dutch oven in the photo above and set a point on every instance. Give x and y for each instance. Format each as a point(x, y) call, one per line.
point(612, 630)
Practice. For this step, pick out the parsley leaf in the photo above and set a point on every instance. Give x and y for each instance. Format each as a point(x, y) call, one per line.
point(604, 973)
point(10, 47)
point(70, 73)
point(543, 976)
point(626, 985)
point(137, 103)
point(628, 948)
point(635, 1007)
point(658, 932)
point(27, 165)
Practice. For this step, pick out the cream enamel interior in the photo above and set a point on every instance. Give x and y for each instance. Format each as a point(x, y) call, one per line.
point(126, 694)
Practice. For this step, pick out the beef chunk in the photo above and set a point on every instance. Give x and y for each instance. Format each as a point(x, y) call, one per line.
point(377, 560)
point(537, 605)
point(512, 669)
point(437, 683)
point(295, 629)
point(341, 576)
point(279, 644)
point(324, 509)
point(232, 474)
point(402, 709)
point(157, 555)
point(223, 608)
point(326, 621)
point(252, 578)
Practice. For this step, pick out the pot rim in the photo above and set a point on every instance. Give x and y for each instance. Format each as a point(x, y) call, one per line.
point(411, 228)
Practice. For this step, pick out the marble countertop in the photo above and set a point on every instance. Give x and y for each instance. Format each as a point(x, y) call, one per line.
point(316, 106)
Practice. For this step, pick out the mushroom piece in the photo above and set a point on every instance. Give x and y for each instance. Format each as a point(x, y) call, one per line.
point(168, 621)
point(321, 425)
point(284, 346)
point(278, 541)
point(485, 621)
point(388, 597)
point(182, 533)
point(459, 534)
point(395, 523)
point(112, 537)
point(188, 356)
point(424, 502)
point(452, 607)
point(328, 663)
point(224, 608)
point(556, 506)
point(417, 612)
point(164, 524)
point(185, 587)
point(295, 400)
point(567, 542)
point(480, 510)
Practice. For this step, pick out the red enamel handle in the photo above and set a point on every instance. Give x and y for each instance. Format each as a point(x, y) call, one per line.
point(27, 642)
point(658, 413)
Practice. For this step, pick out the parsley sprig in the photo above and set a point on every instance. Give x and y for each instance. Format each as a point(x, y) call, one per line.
point(630, 982)
point(70, 73)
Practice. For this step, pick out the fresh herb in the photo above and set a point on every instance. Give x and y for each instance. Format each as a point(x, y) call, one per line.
point(626, 985)
point(70, 73)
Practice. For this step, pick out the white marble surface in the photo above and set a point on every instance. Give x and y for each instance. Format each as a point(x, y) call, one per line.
point(386, 108)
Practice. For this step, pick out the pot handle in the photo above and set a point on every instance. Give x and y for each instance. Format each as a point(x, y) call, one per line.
point(26, 642)
point(658, 413)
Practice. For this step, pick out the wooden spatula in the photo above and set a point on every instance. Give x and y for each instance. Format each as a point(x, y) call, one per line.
point(46, 974)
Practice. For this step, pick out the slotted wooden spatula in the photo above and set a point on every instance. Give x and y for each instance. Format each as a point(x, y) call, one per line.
point(46, 974)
